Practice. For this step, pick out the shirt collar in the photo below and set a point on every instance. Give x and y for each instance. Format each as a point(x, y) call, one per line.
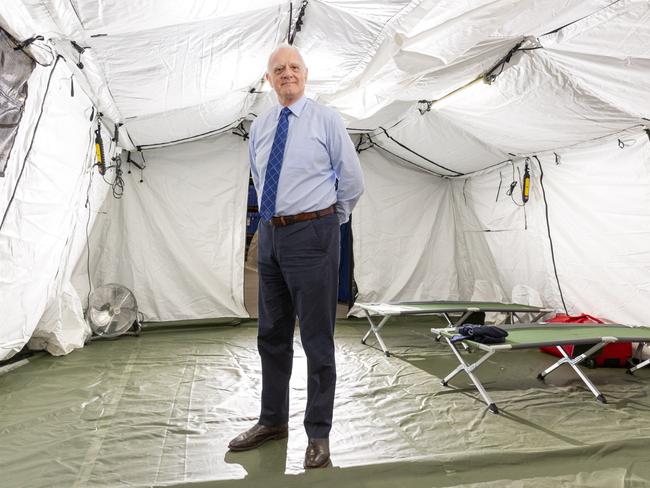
point(296, 107)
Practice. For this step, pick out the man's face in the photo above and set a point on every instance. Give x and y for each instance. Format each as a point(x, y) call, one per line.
point(287, 75)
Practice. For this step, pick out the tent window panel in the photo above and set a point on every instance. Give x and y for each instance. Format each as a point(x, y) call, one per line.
point(15, 69)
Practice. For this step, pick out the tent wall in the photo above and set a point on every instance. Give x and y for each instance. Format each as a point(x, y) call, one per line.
point(503, 250)
point(599, 209)
point(177, 238)
point(42, 201)
point(598, 232)
point(420, 237)
point(404, 244)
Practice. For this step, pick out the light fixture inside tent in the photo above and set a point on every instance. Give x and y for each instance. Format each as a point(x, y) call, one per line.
point(112, 311)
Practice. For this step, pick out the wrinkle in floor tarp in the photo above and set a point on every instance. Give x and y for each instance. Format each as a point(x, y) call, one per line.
point(159, 409)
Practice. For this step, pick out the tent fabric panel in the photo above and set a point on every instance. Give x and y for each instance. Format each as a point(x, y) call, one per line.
point(187, 123)
point(608, 54)
point(342, 41)
point(165, 69)
point(505, 253)
point(403, 234)
point(108, 16)
point(598, 202)
point(431, 48)
point(26, 18)
point(599, 209)
point(434, 137)
point(49, 195)
point(176, 239)
point(533, 107)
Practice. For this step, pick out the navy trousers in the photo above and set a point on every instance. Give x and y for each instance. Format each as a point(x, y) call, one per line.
point(298, 277)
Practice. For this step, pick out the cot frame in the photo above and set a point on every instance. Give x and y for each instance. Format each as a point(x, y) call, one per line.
point(491, 349)
point(642, 364)
point(465, 308)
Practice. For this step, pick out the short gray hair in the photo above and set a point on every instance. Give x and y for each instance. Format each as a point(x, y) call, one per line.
point(284, 45)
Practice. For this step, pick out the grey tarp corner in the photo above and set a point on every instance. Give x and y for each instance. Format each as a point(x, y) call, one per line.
point(15, 69)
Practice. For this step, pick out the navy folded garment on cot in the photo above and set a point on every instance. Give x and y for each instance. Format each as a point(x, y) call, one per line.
point(485, 334)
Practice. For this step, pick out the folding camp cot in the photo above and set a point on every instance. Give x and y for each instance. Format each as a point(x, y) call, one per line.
point(524, 336)
point(444, 308)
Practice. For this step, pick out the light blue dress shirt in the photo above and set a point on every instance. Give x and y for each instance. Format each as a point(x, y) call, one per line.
point(320, 165)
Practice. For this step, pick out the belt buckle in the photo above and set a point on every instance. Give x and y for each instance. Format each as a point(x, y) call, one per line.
point(283, 221)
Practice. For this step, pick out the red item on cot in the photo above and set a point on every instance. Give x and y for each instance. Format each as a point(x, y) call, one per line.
point(612, 355)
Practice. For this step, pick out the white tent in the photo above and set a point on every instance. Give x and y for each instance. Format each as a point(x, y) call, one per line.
point(449, 102)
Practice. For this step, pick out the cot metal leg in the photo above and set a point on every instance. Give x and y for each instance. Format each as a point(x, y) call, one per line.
point(468, 368)
point(374, 329)
point(642, 364)
point(574, 364)
point(449, 323)
point(539, 316)
point(462, 318)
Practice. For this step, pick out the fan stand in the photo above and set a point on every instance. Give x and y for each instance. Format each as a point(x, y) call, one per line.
point(134, 330)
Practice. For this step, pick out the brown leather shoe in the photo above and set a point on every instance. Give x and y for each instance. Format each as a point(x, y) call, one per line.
point(317, 454)
point(258, 435)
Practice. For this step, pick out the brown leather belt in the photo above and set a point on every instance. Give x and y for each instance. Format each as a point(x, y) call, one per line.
point(301, 217)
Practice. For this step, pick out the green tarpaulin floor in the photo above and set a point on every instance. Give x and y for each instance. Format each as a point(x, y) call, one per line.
point(158, 410)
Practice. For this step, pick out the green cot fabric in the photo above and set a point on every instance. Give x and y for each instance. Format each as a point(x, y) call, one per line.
point(534, 335)
point(553, 334)
point(453, 306)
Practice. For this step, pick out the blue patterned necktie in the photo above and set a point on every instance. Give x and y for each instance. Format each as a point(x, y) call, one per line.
point(273, 167)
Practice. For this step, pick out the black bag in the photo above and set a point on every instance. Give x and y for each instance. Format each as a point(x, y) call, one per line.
point(485, 334)
point(474, 318)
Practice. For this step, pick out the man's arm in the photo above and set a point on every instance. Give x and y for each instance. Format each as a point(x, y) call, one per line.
point(345, 162)
point(251, 159)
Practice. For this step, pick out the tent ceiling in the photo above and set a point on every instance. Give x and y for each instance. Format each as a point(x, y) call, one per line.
point(170, 71)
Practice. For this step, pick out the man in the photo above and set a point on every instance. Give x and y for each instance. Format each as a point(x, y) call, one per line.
point(308, 179)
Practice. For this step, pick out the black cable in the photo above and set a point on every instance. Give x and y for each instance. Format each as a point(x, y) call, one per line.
point(457, 173)
point(489, 77)
point(358, 146)
point(189, 138)
point(299, 21)
point(290, 22)
point(241, 131)
point(90, 283)
point(118, 182)
point(499, 188)
point(578, 20)
point(548, 229)
point(87, 205)
point(569, 146)
point(140, 166)
point(20, 46)
point(514, 184)
point(426, 170)
point(31, 144)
